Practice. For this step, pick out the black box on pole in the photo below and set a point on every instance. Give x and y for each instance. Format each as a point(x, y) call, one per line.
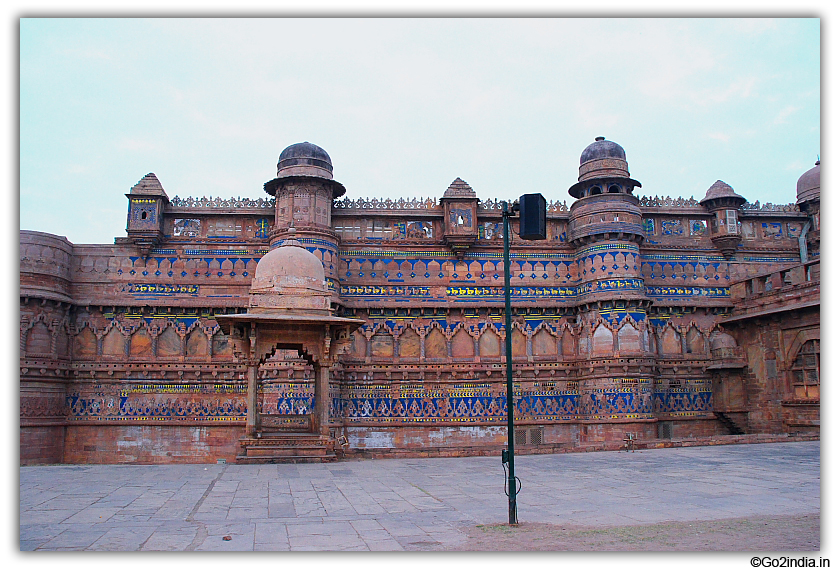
point(532, 216)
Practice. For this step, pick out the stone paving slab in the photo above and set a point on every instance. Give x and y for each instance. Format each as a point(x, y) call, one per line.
point(401, 504)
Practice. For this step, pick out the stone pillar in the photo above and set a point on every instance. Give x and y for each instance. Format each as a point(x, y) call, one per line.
point(253, 409)
point(322, 399)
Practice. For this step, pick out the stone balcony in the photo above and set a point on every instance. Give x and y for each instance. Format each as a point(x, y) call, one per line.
point(793, 288)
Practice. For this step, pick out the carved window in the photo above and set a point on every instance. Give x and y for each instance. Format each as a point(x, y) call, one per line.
point(805, 371)
point(184, 227)
point(350, 229)
point(698, 227)
point(378, 229)
point(731, 222)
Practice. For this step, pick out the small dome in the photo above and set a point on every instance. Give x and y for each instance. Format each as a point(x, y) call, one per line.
point(602, 148)
point(720, 339)
point(808, 185)
point(289, 265)
point(602, 160)
point(721, 189)
point(304, 159)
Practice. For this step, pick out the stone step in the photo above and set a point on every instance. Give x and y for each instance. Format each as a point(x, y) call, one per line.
point(243, 460)
point(285, 447)
point(283, 450)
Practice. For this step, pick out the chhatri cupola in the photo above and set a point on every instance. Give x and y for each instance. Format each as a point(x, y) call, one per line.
point(723, 203)
point(304, 190)
point(605, 207)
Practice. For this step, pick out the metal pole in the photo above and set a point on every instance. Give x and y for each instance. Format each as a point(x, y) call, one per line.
point(509, 362)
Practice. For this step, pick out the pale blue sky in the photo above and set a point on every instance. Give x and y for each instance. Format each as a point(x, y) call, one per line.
point(404, 107)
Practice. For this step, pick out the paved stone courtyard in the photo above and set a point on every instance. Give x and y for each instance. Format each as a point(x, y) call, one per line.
point(402, 504)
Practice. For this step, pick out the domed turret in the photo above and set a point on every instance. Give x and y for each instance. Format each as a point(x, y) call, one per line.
point(603, 169)
point(304, 161)
point(723, 203)
point(808, 185)
point(602, 148)
point(304, 191)
point(722, 192)
point(606, 208)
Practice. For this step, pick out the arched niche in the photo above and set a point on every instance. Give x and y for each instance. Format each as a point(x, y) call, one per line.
point(602, 341)
point(39, 339)
point(463, 345)
point(141, 343)
point(196, 343)
point(543, 343)
point(519, 343)
point(435, 344)
point(382, 344)
point(670, 341)
point(169, 343)
point(221, 345)
point(113, 344)
point(410, 344)
point(489, 343)
point(568, 344)
point(629, 339)
point(85, 344)
point(694, 341)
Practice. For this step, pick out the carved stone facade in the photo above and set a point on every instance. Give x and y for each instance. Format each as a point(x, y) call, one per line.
point(665, 317)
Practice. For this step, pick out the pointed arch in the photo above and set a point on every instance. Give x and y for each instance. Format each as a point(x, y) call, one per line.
point(140, 342)
point(221, 345)
point(694, 341)
point(463, 345)
point(544, 343)
point(435, 342)
point(169, 342)
point(39, 337)
point(410, 343)
point(602, 340)
point(519, 342)
point(489, 343)
point(670, 340)
point(113, 343)
point(62, 340)
point(85, 342)
point(382, 343)
point(568, 342)
point(196, 342)
point(629, 338)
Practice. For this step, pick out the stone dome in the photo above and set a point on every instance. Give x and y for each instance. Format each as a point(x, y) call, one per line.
point(602, 148)
point(722, 340)
point(304, 162)
point(721, 189)
point(289, 266)
point(304, 159)
point(808, 185)
point(602, 160)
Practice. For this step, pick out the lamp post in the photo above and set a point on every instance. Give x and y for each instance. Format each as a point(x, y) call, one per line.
point(506, 215)
point(531, 227)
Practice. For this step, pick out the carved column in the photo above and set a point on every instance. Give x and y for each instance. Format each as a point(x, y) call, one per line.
point(322, 395)
point(253, 411)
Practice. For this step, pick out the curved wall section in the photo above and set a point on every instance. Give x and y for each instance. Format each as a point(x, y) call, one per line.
point(45, 266)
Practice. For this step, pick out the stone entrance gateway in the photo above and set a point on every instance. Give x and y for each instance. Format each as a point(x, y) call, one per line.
point(289, 309)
